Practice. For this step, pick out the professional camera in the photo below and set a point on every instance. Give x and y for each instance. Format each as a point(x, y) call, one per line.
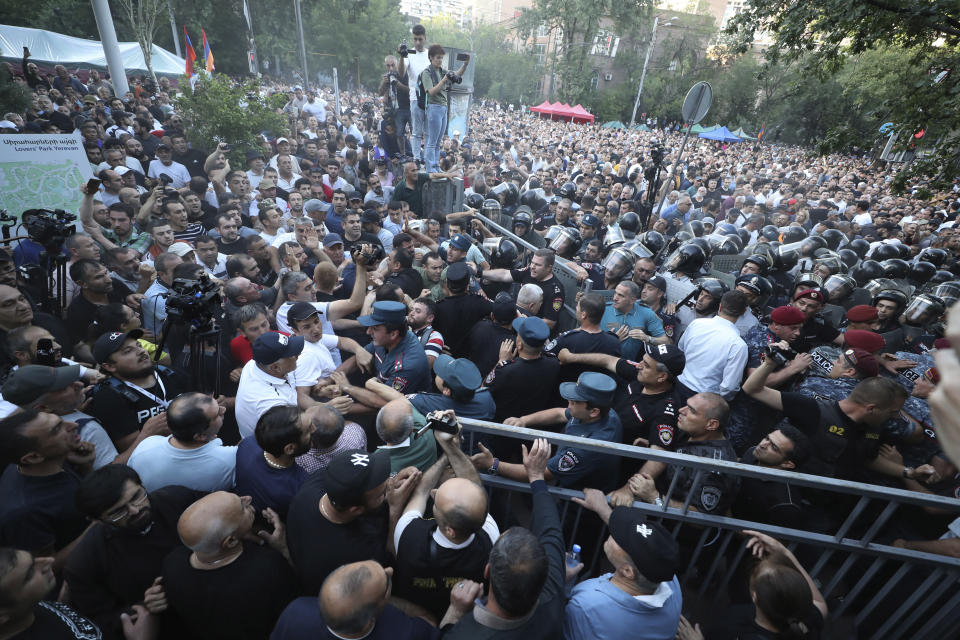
point(403, 51)
point(781, 357)
point(48, 228)
point(656, 154)
point(164, 179)
point(454, 78)
point(437, 421)
point(194, 300)
point(372, 254)
point(392, 77)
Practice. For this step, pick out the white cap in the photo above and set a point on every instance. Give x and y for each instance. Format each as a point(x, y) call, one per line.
point(180, 248)
point(122, 170)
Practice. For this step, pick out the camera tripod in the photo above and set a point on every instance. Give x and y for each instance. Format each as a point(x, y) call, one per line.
point(202, 335)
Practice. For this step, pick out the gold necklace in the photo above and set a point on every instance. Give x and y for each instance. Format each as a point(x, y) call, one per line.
point(273, 464)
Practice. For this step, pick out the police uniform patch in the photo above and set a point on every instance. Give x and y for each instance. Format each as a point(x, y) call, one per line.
point(710, 498)
point(568, 461)
point(550, 346)
point(668, 329)
point(665, 433)
point(557, 303)
point(399, 383)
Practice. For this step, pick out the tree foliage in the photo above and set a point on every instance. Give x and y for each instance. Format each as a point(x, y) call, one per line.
point(142, 16)
point(825, 39)
point(221, 110)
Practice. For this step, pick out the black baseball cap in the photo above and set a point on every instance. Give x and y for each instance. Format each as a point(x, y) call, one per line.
point(669, 355)
point(109, 343)
point(272, 346)
point(650, 546)
point(301, 311)
point(353, 472)
point(659, 282)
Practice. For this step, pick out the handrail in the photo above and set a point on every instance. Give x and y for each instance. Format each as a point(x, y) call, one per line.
point(735, 468)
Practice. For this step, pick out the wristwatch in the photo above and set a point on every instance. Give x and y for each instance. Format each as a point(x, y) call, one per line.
point(908, 472)
point(494, 468)
point(658, 501)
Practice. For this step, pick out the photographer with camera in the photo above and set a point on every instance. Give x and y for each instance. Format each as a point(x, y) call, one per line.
point(166, 171)
point(412, 63)
point(434, 82)
point(395, 89)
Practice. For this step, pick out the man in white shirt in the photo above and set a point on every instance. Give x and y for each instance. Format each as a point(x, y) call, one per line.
point(209, 257)
point(413, 65)
point(192, 456)
point(315, 106)
point(164, 163)
point(716, 354)
point(284, 149)
point(267, 380)
point(286, 177)
point(255, 165)
point(332, 178)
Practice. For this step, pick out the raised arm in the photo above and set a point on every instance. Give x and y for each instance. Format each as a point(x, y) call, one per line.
point(340, 308)
point(599, 360)
point(755, 386)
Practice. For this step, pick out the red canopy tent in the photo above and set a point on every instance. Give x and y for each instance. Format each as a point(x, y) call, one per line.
point(544, 108)
point(581, 115)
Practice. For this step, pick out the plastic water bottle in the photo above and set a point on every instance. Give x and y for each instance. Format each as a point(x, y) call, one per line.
point(573, 556)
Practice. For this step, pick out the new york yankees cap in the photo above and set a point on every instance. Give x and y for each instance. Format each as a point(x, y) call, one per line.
point(353, 472)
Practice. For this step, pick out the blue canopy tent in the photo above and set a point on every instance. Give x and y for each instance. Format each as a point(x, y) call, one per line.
point(722, 134)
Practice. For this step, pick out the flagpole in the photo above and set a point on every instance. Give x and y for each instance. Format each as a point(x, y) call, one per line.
point(173, 27)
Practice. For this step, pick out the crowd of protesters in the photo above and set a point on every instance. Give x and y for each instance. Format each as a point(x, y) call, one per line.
point(297, 472)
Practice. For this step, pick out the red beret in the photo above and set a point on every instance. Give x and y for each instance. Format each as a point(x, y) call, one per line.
point(941, 343)
point(788, 315)
point(862, 313)
point(866, 340)
point(863, 361)
point(813, 294)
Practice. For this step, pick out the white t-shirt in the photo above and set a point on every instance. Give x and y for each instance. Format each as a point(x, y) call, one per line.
point(417, 61)
point(283, 325)
point(316, 108)
point(315, 362)
point(177, 172)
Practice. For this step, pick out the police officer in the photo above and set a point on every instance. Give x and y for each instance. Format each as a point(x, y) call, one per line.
point(845, 434)
point(540, 273)
point(460, 310)
point(589, 227)
point(863, 316)
point(522, 226)
point(816, 330)
point(823, 357)
point(749, 284)
point(459, 383)
point(399, 359)
point(653, 294)
point(588, 415)
point(524, 380)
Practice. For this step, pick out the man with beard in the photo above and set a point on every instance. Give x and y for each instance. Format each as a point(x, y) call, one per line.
point(118, 561)
point(267, 470)
point(96, 288)
point(377, 192)
point(135, 392)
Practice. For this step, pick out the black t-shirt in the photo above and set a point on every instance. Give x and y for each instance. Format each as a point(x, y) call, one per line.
point(81, 311)
point(738, 623)
point(456, 316)
point(522, 387)
point(193, 160)
point(580, 341)
point(365, 238)
point(768, 500)
point(318, 546)
point(110, 568)
point(427, 571)
point(840, 445)
point(652, 416)
point(409, 280)
point(483, 344)
point(57, 621)
point(553, 295)
point(237, 246)
point(38, 513)
point(241, 600)
point(122, 410)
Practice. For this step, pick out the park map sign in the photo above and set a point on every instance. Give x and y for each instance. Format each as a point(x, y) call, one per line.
point(42, 171)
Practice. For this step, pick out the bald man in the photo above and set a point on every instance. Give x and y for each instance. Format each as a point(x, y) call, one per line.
point(396, 422)
point(352, 604)
point(435, 554)
point(221, 570)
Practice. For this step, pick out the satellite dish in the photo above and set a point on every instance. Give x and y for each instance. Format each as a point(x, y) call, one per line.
point(697, 103)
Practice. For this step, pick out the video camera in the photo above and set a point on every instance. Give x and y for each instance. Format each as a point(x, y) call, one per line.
point(656, 154)
point(438, 422)
point(48, 228)
point(194, 300)
point(403, 51)
point(371, 256)
point(781, 357)
point(454, 78)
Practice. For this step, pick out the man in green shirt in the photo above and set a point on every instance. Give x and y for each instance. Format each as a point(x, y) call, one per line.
point(397, 422)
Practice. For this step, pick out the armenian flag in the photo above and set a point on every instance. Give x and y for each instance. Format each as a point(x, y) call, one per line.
point(763, 129)
point(207, 54)
point(190, 54)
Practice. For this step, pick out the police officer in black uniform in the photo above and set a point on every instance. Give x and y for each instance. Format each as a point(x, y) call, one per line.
point(524, 380)
point(588, 338)
point(459, 311)
point(652, 294)
point(816, 330)
point(540, 273)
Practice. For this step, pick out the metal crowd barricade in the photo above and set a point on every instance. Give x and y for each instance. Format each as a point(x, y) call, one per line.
point(851, 570)
point(564, 274)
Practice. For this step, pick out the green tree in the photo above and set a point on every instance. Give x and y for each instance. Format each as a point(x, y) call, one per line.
point(224, 111)
point(14, 97)
point(823, 37)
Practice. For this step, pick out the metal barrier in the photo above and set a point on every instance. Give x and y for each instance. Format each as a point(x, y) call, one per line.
point(851, 570)
point(564, 274)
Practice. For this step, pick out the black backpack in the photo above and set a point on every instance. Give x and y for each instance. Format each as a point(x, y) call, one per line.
point(421, 91)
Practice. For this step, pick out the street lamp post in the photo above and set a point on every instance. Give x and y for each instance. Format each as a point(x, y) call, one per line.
point(646, 61)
